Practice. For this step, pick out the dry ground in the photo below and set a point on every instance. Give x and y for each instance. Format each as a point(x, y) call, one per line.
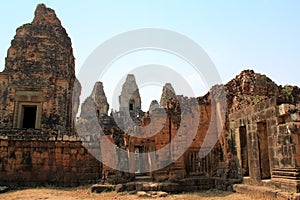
point(84, 193)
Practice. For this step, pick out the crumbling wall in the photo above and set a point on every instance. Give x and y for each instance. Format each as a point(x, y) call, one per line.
point(253, 119)
point(55, 162)
point(265, 138)
point(246, 90)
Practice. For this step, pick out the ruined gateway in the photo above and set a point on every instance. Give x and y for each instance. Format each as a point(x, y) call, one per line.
point(259, 144)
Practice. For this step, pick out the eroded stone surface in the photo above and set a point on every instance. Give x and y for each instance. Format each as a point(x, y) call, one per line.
point(252, 137)
point(167, 93)
point(249, 88)
point(39, 71)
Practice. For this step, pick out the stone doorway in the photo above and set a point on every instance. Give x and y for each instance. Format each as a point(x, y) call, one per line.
point(141, 161)
point(244, 151)
point(28, 109)
point(263, 150)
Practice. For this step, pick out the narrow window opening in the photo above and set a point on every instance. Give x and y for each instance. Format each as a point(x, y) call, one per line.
point(221, 155)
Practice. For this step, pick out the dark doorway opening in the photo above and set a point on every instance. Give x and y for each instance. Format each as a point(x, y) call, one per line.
point(29, 116)
point(131, 106)
point(244, 151)
point(263, 150)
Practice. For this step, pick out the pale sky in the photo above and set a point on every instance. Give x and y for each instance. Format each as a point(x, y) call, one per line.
point(263, 35)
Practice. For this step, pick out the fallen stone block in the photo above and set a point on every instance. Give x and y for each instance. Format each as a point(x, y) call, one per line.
point(120, 188)
point(142, 194)
point(103, 188)
point(162, 194)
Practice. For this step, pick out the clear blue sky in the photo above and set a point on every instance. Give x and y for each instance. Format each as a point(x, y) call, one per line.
point(263, 35)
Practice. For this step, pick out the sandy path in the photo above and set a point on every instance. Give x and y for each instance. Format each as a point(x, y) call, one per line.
point(84, 193)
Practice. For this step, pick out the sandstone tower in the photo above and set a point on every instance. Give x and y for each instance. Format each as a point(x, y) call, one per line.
point(130, 104)
point(37, 82)
point(100, 100)
point(130, 97)
point(38, 143)
point(167, 93)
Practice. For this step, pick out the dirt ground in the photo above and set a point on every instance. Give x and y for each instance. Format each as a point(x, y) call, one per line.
point(85, 193)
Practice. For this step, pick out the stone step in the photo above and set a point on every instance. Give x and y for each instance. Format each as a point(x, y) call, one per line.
point(264, 192)
point(288, 173)
point(143, 178)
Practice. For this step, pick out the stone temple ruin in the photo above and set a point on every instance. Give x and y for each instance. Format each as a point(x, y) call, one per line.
point(258, 144)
